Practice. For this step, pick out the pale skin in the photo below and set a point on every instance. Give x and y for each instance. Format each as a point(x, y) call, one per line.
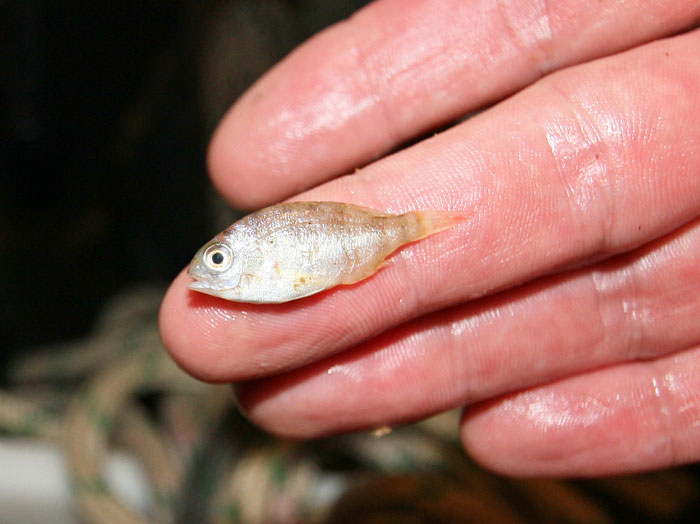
point(564, 316)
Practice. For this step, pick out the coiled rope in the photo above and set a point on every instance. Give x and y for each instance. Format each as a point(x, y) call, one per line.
point(118, 388)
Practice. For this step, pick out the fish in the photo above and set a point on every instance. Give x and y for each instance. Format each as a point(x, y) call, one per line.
point(293, 250)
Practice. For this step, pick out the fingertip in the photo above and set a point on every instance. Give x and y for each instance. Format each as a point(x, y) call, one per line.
point(532, 434)
point(547, 432)
point(217, 340)
point(490, 439)
point(280, 405)
point(186, 320)
point(236, 159)
point(589, 425)
point(220, 156)
point(299, 125)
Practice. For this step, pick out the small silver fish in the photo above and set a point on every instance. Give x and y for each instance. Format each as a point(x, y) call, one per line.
point(293, 250)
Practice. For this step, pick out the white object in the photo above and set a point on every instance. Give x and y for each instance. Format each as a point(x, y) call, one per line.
point(35, 487)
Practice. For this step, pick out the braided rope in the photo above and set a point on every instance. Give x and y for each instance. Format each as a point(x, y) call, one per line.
point(117, 387)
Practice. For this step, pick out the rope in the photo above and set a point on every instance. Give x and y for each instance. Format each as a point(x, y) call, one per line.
point(118, 388)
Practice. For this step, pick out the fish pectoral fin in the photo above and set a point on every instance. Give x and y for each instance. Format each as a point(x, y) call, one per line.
point(382, 263)
point(359, 276)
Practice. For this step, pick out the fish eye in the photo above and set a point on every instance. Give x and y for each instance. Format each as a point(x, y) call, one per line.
point(218, 257)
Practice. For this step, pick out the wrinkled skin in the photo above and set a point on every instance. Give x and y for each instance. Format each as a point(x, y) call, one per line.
point(565, 315)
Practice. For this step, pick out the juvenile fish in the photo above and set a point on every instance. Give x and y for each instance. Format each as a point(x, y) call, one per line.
point(293, 250)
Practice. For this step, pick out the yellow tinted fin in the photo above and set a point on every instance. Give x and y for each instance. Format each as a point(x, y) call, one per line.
point(431, 222)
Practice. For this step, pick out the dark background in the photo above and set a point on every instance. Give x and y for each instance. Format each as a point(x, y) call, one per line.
point(105, 112)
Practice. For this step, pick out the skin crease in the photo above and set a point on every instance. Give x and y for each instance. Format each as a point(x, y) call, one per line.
point(563, 314)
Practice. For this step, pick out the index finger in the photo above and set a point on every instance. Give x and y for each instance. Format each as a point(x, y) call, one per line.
point(398, 68)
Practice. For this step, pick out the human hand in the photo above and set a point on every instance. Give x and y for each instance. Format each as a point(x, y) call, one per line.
point(564, 314)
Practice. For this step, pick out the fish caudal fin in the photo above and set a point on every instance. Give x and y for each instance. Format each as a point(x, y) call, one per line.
point(431, 222)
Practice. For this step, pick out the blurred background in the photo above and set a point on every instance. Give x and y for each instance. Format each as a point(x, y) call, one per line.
point(106, 111)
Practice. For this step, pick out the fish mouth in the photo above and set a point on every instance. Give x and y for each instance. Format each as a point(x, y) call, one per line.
point(197, 285)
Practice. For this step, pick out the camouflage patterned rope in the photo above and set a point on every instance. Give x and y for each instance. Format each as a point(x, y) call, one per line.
point(118, 388)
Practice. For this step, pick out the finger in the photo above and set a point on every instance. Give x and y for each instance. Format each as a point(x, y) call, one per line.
point(635, 306)
point(632, 417)
point(596, 160)
point(398, 68)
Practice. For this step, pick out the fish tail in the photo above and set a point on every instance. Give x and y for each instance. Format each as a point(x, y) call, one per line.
point(431, 222)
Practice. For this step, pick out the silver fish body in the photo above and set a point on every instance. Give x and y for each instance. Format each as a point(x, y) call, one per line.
point(293, 250)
